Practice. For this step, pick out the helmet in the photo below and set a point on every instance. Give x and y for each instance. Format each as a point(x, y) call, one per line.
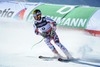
point(36, 12)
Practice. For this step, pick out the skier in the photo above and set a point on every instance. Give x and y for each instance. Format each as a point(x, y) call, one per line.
point(46, 27)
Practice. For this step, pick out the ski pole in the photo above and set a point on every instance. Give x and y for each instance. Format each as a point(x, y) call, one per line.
point(37, 43)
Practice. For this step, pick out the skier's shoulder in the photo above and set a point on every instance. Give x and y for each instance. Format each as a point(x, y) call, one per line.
point(43, 18)
point(47, 18)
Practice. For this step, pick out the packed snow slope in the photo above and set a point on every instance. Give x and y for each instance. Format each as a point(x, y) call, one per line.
point(17, 39)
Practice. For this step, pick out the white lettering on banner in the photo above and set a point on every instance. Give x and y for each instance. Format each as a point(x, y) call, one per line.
point(60, 20)
point(70, 8)
point(70, 21)
point(82, 22)
point(74, 22)
point(6, 13)
point(67, 22)
point(55, 18)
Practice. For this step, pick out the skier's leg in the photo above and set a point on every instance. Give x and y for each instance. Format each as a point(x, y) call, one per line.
point(66, 52)
point(47, 41)
point(57, 42)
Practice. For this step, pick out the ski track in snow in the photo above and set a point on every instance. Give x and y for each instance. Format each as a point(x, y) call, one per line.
point(17, 38)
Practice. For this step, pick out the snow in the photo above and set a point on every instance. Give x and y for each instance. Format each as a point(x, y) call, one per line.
point(17, 39)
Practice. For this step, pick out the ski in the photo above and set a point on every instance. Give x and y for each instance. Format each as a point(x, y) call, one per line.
point(67, 60)
point(54, 58)
point(79, 61)
point(48, 58)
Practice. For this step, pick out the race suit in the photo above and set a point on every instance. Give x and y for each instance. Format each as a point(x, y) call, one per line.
point(46, 27)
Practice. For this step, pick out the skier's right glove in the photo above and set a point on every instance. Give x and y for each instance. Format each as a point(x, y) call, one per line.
point(36, 32)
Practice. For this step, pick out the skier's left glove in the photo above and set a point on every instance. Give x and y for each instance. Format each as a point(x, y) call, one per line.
point(52, 32)
point(54, 28)
point(43, 34)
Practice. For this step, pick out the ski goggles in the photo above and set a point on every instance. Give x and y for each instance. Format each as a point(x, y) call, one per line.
point(36, 14)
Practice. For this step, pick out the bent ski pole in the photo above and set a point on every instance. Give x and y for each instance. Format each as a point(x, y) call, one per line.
point(37, 43)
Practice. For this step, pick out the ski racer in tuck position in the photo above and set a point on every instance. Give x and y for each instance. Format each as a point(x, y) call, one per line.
point(46, 27)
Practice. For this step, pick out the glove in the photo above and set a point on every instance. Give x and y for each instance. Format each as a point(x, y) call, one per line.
point(54, 28)
point(36, 32)
point(52, 32)
point(44, 34)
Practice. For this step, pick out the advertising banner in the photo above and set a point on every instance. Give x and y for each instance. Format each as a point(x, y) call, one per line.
point(16, 10)
point(68, 16)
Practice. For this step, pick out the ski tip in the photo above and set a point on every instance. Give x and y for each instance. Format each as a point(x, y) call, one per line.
point(60, 59)
point(40, 56)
